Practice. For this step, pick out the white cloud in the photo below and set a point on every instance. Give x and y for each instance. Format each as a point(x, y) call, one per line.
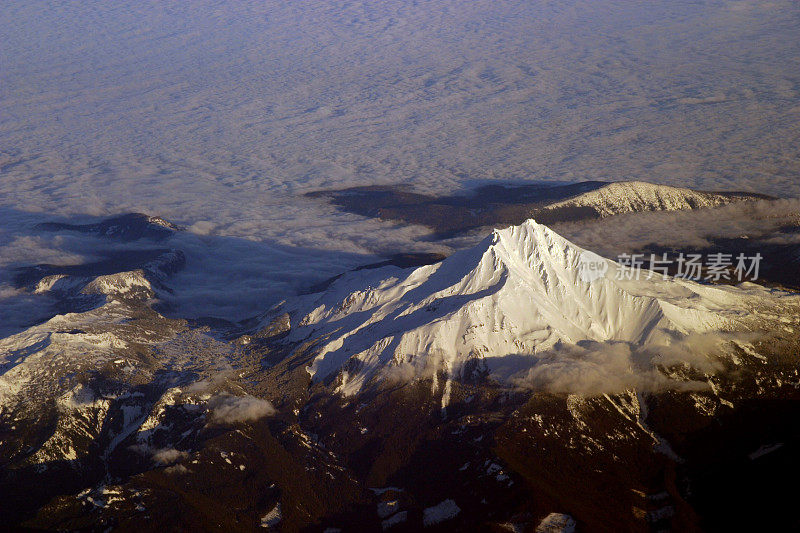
point(594, 368)
point(168, 456)
point(634, 232)
point(176, 470)
point(226, 409)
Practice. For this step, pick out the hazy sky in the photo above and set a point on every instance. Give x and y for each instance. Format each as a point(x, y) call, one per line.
point(218, 115)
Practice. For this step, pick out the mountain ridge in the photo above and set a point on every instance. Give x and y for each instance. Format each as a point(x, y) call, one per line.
point(499, 205)
point(636, 196)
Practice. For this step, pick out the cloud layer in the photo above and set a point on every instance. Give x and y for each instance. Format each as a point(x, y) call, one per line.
point(608, 368)
point(218, 116)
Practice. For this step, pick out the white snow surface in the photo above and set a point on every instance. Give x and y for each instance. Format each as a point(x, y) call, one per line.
point(517, 292)
point(41, 354)
point(120, 284)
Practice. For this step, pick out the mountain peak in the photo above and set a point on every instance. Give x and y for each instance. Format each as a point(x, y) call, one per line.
point(519, 292)
point(531, 239)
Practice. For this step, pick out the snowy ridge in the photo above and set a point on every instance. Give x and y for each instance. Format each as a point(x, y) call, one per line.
point(122, 284)
point(635, 196)
point(518, 292)
point(142, 283)
point(96, 378)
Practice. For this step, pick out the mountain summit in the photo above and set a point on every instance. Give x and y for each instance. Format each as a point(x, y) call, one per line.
point(637, 196)
point(521, 291)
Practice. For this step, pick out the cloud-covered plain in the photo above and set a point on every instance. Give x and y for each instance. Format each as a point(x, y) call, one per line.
point(219, 116)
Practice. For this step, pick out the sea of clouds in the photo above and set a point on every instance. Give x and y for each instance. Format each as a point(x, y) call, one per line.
point(220, 115)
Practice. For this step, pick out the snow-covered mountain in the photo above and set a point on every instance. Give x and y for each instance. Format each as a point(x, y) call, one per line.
point(521, 291)
point(637, 196)
point(70, 370)
point(112, 413)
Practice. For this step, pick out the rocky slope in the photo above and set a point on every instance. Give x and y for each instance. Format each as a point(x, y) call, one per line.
point(127, 227)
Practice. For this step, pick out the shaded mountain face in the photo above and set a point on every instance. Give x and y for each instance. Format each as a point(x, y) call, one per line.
point(127, 227)
point(328, 411)
point(780, 264)
point(496, 205)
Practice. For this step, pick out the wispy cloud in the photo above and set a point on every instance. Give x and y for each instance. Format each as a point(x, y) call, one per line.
point(594, 368)
point(228, 409)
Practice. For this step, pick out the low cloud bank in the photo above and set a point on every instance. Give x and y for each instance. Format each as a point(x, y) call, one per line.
point(176, 470)
point(594, 368)
point(416, 368)
point(168, 456)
